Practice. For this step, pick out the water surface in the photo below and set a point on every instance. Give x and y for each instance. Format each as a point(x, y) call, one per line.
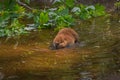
point(28, 57)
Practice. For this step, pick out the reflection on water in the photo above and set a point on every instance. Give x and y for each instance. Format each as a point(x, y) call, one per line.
point(28, 57)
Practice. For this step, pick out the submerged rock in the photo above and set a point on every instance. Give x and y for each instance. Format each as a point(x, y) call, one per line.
point(1, 75)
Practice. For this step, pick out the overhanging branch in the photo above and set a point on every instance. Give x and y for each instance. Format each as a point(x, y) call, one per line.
point(23, 4)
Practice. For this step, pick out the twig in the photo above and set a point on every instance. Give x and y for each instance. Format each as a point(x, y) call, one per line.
point(23, 4)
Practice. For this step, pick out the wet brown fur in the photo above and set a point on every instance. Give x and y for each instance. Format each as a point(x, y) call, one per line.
point(66, 37)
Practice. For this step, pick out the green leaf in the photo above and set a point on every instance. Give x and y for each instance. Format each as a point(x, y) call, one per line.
point(62, 10)
point(43, 18)
point(27, 1)
point(99, 10)
point(85, 16)
point(69, 3)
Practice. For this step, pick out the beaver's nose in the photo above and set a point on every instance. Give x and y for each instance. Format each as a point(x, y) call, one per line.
point(56, 45)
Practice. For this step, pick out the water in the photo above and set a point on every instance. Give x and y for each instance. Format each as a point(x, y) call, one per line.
point(28, 57)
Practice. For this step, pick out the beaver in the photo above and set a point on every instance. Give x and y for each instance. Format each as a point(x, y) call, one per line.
point(66, 37)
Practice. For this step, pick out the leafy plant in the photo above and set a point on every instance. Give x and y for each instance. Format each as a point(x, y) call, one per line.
point(61, 15)
point(66, 3)
point(62, 10)
point(69, 3)
point(99, 10)
point(117, 5)
point(41, 19)
point(86, 12)
point(12, 30)
point(65, 20)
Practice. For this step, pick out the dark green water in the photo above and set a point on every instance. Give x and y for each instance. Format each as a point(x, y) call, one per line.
point(28, 57)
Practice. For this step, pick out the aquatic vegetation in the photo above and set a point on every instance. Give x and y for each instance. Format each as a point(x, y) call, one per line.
point(58, 16)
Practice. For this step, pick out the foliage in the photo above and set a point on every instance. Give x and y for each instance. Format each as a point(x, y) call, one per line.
point(117, 6)
point(69, 3)
point(15, 28)
point(9, 20)
point(62, 14)
point(86, 12)
point(66, 3)
point(27, 1)
point(61, 17)
point(41, 19)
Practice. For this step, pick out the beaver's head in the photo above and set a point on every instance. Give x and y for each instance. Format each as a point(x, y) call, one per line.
point(59, 45)
point(55, 46)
